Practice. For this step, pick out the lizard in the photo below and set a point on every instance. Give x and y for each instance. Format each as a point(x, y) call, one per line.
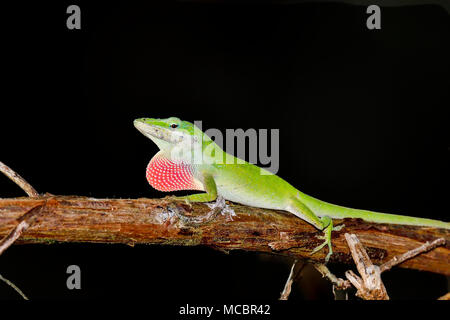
point(188, 159)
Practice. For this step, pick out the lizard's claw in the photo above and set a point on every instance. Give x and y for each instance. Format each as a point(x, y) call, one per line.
point(330, 250)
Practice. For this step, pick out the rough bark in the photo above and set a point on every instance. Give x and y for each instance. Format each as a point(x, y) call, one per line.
point(154, 221)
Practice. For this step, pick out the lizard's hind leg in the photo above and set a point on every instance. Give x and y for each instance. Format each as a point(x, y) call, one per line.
point(325, 223)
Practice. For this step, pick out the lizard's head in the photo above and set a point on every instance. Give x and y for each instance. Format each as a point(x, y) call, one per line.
point(167, 133)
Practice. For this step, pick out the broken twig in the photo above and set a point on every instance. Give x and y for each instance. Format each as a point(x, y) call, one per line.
point(369, 286)
point(25, 221)
point(12, 285)
point(338, 283)
point(445, 296)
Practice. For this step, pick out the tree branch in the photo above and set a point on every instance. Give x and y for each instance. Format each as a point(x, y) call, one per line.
point(155, 221)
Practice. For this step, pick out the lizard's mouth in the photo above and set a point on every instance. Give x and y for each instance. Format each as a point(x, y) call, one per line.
point(159, 135)
point(152, 131)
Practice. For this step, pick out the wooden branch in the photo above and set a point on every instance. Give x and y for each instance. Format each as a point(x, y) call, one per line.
point(155, 221)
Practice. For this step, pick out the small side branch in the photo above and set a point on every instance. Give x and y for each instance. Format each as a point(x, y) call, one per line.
point(17, 179)
point(293, 274)
point(24, 223)
point(287, 287)
point(445, 296)
point(338, 283)
point(12, 285)
point(427, 246)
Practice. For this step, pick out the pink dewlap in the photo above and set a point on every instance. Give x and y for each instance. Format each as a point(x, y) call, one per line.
point(165, 175)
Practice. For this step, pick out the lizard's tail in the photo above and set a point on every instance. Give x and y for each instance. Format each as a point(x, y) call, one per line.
point(322, 208)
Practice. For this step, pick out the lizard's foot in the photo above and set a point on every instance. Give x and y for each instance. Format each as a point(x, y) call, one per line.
point(219, 206)
point(327, 238)
point(222, 207)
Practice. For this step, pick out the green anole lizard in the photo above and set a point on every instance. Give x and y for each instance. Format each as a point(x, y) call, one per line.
point(189, 160)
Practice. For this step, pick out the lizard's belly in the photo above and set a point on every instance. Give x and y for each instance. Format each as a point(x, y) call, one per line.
point(247, 185)
point(246, 197)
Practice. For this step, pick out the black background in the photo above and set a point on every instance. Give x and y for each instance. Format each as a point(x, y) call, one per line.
point(362, 119)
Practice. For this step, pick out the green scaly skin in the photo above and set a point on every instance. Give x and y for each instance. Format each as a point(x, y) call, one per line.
point(221, 174)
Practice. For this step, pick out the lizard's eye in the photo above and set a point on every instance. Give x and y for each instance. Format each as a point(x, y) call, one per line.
point(174, 125)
